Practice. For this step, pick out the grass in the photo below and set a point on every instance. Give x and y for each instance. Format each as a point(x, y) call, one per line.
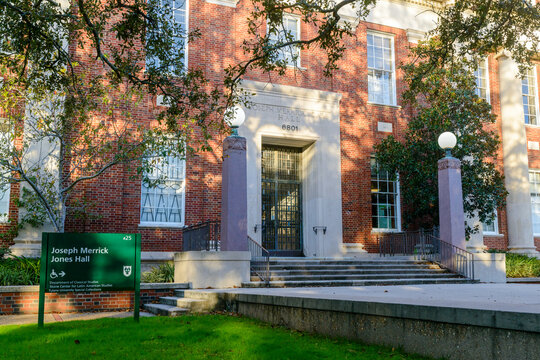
point(518, 266)
point(186, 337)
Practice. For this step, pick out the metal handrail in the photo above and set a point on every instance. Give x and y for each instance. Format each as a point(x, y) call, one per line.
point(402, 243)
point(449, 256)
point(203, 236)
point(426, 246)
point(257, 252)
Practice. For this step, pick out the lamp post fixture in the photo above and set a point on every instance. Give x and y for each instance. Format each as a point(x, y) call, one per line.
point(447, 141)
point(235, 117)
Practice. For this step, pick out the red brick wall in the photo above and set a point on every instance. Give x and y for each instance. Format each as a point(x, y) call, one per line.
point(117, 194)
point(6, 233)
point(27, 302)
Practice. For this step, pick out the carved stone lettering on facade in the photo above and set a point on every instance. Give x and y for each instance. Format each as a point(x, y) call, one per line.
point(286, 115)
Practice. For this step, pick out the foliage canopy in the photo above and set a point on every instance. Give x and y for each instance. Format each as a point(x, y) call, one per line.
point(76, 71)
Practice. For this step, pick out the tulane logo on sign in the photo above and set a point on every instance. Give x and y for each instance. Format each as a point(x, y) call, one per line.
point(127, 271)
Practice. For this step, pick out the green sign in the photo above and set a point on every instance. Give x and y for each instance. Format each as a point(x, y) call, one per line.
point(87, 262)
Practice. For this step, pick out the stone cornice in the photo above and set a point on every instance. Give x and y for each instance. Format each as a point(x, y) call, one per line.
point(229, 3)
point(426, 3)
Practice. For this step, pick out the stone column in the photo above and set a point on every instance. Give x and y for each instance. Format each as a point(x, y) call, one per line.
point(476, 240)
point(516, 166)
point(234, 195)
point(451, 217)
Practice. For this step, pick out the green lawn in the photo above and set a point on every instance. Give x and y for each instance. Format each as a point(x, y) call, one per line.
point(186, 337)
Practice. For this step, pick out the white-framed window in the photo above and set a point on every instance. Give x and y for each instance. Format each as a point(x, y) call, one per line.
point(534, 181)
point(381, 69)
point(481, 75)
point(180, 15)
point(4, 202)
point(385, 204)
point(491, 228)
point(530, 97)
point(163, 205)
point(5, 189)
point(290, 31)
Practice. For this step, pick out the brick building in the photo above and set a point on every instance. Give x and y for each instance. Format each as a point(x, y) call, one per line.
point(310, 140)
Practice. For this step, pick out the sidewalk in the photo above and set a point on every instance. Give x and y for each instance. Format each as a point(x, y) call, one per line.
point(497, 297)
point(33, 318)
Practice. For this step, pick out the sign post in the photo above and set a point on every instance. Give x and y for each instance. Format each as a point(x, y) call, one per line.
point(88, 262)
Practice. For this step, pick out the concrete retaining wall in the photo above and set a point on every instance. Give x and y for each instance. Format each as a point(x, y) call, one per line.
point(452, 333)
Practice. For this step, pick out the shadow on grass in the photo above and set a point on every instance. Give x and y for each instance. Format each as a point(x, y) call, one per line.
point(186, 337)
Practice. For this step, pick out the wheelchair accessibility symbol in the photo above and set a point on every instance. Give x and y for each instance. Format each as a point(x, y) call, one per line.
point(54, 275)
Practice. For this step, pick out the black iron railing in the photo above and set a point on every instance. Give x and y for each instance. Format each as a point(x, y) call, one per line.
point(259, 254)
point(405, 243)
point(424, 245)
point(457, 260)
point(202, 236)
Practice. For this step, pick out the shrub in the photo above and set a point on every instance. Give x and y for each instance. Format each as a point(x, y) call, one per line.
point(19, 271)
point(522, 266)
point(164, 273)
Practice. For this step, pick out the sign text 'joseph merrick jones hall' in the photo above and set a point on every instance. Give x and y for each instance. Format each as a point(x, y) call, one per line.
point(72, 255)
point(90, 262)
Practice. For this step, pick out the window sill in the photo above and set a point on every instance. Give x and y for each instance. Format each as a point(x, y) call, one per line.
point(386, 105)
point(487, 234)
point(161, 225)
point(382, 231)
point(534, 127)
point(290, 66)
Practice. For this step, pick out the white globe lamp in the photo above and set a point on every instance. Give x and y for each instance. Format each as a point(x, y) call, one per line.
point(235, 117)
point(447, 141)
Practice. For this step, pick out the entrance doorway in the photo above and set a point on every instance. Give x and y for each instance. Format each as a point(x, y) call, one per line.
point(282, 200)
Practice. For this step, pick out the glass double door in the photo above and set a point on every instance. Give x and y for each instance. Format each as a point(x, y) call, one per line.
point(282, 200)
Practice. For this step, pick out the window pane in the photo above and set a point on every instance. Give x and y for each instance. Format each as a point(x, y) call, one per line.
point(481, 75)
point(4, 202)
point(289, 32)
point(380, 70)
point(491, 227)
point(528, 89)
point(384, 199)
point(534, 179)
point(178, 8)
point(164, 202)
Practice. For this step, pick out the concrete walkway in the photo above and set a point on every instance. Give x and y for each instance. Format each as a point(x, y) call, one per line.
point(33, 318)
point(498, 297)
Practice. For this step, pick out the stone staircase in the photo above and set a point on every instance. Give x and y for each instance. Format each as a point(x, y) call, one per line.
point(183, 301)
point(301, 272)
point(297, 272)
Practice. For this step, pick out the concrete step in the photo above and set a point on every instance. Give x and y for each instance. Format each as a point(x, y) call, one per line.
point(341, 262)
point(345, 267)
point(315, 283)
point(165, 310)
point(193, 305)
point(358, 277)
point(353, 272)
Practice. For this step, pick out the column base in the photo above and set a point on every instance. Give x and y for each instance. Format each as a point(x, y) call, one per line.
point(526, 250)
point(212, 269)
point(490, 267)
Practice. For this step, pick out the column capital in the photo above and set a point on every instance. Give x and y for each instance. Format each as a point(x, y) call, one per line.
point(234, 143)
point(449, 163)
